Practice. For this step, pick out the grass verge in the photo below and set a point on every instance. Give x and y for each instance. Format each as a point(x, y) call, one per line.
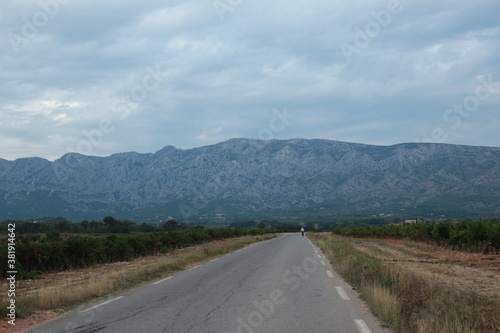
point(64, 296)
point(405, 301)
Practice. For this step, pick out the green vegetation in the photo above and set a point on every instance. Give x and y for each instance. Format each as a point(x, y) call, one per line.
point(111, 225)
point(475, 236)
point(108, 225)
point(405, 301)
point(50, 253)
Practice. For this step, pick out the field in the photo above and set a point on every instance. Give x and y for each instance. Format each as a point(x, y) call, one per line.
point(419, 287)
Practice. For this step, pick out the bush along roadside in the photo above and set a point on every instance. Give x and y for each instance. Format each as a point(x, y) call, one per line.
point(404, 301)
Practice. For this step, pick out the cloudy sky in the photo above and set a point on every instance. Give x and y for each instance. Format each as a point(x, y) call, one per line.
point(101, 77)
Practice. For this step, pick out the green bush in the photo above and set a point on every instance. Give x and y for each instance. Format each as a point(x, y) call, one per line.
point(476, 236)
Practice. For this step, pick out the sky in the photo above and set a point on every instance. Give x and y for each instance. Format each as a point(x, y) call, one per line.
point(103, 77)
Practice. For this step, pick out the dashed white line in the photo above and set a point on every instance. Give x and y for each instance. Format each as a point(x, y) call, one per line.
point(323, 263)
point(342, 293)
point(104, 303)
point(165, 279)
point(361, 325)
point(329, 272)
point(193, 267)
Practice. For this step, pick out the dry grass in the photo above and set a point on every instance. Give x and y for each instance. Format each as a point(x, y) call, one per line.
point(56, 297)
point(67, 295)
point(406, 301)
point(384, 303)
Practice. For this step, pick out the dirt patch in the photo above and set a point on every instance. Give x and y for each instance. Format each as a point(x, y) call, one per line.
point(74, 277)
point(466, 271)
point(26, 323)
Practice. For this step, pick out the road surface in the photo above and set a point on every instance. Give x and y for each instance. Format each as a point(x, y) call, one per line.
point(279, 285)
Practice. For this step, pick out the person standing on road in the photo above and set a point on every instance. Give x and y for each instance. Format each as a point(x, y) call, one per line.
point(302, 231)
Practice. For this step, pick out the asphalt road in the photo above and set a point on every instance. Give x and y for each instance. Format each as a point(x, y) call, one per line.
point(279, 285)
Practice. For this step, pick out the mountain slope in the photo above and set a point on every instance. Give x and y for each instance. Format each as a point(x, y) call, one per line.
point(243, 176)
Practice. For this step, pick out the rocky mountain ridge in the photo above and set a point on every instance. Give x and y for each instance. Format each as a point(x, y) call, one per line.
point(245, 177)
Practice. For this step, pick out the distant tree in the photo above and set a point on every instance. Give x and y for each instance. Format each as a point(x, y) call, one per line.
point(76, 228)
point(26, 227)
point(95, 226)
point(261, 225)
point(170, 225)
point(144, 227)
point(63, 226)
point(109, 221)
point(85, 225)
point(128, 226)
point(183, 226)
point(112, 225)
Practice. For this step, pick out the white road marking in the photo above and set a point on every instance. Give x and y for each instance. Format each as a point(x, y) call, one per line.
point(318, 255)
point(329, 272)
point(193, 267)
point(104, 303)
point(342, 293)
point(323, 263)
point(361, 325)
point(165, 279)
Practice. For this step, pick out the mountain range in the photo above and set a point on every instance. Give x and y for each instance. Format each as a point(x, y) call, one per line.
point(246, 178)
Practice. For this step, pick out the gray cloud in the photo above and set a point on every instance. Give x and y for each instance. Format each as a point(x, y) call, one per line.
point(101, 78)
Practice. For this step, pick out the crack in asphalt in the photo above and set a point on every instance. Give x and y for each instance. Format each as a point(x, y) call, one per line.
point(227, 297)
point(91, 329)
point(88, 329)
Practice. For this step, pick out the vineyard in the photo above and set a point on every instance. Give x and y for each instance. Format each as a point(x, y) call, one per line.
point(34, 256)
point(474, 236)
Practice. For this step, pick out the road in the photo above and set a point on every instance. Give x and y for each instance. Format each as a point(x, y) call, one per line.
point(279, 285)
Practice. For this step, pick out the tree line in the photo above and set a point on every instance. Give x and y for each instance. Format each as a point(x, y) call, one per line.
point(109, 224)
point(475, 236)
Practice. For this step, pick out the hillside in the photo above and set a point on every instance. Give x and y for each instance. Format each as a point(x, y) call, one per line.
point(244, 178)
